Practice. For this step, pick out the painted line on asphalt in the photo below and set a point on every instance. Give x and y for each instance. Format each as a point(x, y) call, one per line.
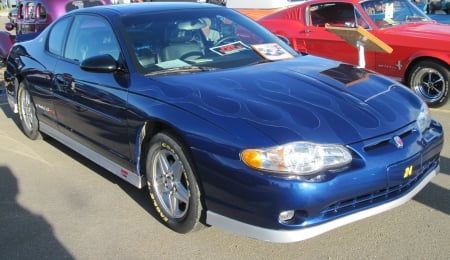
point(444, 110)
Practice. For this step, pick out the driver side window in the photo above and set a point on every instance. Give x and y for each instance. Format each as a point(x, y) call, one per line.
point(336, 14)
point(91, 36)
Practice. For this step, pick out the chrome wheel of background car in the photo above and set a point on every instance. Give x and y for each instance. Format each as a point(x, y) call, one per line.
point(27, 113)
point(429, 80)
point(172, 184)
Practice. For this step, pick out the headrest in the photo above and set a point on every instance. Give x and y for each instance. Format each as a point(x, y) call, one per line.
point(178, 36)
point(105, 37)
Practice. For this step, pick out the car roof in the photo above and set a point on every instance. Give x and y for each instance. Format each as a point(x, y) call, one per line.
point(138, 8)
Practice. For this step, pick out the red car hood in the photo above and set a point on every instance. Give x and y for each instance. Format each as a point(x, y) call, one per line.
point(432, 31)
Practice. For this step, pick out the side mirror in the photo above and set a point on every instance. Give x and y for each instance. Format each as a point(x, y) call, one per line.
point(9, 26)
point(104, 63)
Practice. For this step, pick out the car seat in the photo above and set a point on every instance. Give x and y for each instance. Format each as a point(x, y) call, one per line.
point(182, 42)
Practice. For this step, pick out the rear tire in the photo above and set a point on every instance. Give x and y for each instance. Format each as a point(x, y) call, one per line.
point(430, 81)
point(27, 113)
point(172, 184)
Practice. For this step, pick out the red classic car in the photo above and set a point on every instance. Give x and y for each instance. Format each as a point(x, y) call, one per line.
point(421, 47)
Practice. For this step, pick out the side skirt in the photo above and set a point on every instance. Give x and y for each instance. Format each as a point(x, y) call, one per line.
point(125, 174)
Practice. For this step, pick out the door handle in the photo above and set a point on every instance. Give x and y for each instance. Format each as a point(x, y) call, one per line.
point(63, 82)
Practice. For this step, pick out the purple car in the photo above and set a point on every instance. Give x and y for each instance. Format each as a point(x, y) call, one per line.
point(33, 16)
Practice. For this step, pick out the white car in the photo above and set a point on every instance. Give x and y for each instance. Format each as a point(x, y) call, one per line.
point(256, 9)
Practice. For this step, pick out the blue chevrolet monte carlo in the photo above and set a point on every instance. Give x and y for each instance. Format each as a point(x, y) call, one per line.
point(236, 131)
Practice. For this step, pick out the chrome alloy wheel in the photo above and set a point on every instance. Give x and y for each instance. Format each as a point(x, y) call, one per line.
point(27, 110)
point(170, 184)
point(429, 84)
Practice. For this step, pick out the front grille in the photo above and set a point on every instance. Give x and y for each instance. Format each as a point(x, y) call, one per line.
point(387, 142)
point(374, 198)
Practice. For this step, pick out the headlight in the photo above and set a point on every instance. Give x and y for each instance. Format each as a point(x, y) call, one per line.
point(299, 158)
point(424, 118)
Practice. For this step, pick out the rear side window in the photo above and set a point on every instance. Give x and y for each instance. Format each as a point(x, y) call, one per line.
point(57, 36)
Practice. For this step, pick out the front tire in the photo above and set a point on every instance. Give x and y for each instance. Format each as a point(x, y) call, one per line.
point(430, 81)
point(172, 184)
point(27, 113)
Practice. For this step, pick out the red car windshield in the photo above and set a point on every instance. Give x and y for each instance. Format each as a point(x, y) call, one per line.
point(388, 13)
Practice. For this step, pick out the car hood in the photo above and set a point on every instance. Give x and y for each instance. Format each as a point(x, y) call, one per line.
point(307, 98)
point(433, 31)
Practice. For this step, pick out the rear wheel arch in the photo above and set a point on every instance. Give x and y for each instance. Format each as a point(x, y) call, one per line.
point(17, 81)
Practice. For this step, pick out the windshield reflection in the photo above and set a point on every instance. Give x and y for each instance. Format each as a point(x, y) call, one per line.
point(388, 13)
point(180, 42)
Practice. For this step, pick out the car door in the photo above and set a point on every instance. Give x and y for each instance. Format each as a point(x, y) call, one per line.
point(321, 42)
point(91, 108)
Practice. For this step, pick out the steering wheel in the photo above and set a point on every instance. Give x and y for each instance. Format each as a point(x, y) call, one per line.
point(191, 55)
point(401, 17)
point(227, 39)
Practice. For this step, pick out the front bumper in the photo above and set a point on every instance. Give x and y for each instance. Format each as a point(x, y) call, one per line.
point(380, 178)
point(286, 236)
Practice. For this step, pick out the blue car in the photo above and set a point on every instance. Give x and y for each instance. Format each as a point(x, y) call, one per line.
point(440, 18)
point(437, 11)
point(238, 132)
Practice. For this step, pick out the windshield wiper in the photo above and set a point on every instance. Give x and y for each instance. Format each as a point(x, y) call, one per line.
point(185, 69)
point(261, 62)
point(414, 19)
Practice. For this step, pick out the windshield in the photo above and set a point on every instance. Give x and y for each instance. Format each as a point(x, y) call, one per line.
point(387, 13)
point(200, 40)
